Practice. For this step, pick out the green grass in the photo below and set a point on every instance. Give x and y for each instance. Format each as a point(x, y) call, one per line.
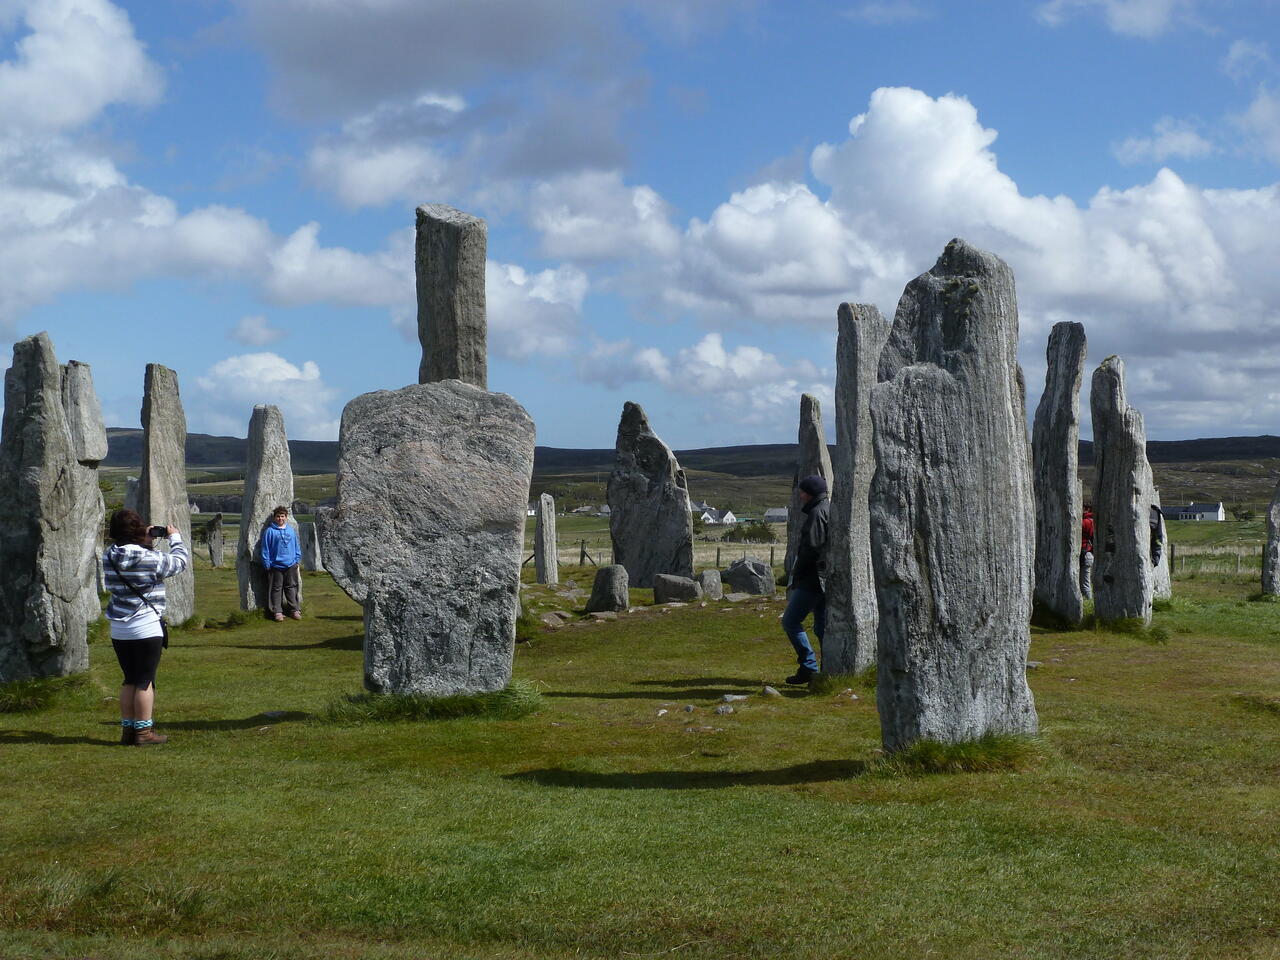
point(38, 693)
point(989, 754)
point(1143, 823)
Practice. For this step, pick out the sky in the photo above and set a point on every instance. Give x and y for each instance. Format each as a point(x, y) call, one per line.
point(679, 195)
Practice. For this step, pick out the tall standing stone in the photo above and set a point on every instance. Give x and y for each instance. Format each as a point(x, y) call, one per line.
point(814, 460)
point(162, 484)
point(1161, 575)
point(850, 642)
point(1123, 583)
point(217, 540)
point(650, 520)
point(1056, 457)
point(428, 533)
point(952, 515)
point(43, 622)
point(1271, 558)
point(309, 542)
point(268, 483)
point(450, 261)
point(89, 448)
point(546, 560)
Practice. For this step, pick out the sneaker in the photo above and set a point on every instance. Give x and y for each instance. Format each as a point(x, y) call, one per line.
point(802, 677)
point(277, 617)
point(297, 614)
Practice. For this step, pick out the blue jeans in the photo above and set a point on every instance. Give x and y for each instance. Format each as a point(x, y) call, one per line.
point(800, 605)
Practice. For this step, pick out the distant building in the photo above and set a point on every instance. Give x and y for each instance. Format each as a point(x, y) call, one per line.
point(583, 510)
point(776, 515)
point(698, 506)
point(718, 516)
point(605, 511)
point(1196, 511)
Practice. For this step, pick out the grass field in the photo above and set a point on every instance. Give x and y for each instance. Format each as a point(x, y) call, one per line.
point(601, 827)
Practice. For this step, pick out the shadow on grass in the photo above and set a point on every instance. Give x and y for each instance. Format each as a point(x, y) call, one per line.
point(247, 723)
point(819, 771)
point(345, 616)
point(48, 739)
point(699, 682)
point(353, 642)
point(688, 693)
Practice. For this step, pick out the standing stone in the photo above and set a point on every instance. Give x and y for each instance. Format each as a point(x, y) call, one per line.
point(1161, 576)
point(1271, 558)
point(43, 622)
point(268, 483)
point(162, 485)
point(952, 515)
point(609, 592)
point(309, 542)
point(750, 575)
point(546, 559)
point(89, 447)
point(1123, 584)
point(428, 533)
point(217, 544)
point(850, 642)
point(813, 460)
point(650, 520)
point(450, 261)
point(1055, 455)
point(131, 493)
point(712, 587)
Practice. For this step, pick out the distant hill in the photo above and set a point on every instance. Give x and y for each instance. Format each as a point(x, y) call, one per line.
point(757, 460)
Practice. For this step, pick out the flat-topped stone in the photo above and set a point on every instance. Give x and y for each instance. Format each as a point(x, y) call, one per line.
point(450, 267)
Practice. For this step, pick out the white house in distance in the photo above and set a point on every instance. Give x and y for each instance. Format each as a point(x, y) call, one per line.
point(712, 515)
point(1196, 511)
point(776, 515)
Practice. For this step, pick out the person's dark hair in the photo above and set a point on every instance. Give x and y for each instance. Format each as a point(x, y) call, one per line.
point(127, 527)
point(813, 485)
point(278, 511)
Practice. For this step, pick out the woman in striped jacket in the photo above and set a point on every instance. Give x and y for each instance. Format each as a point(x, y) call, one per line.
point(135, 575)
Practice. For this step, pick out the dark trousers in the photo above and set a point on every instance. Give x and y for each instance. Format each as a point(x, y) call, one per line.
point(800, 604)
point(282, 584)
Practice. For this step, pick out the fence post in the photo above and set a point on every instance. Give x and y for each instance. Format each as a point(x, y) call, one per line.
point(717, 558)
point(1237, 561)
point(1173, 556)
point(771, 549)
point(582, 553)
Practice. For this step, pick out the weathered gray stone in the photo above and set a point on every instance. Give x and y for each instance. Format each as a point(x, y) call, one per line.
point(1161, 576)
point(1271, 556)
point(131, 493)
point(1055, 449)
point(609, 591)
point(750, 575)
point(428, 534)
point(43, 614)
point(162, 484)
point(709, 581)
point(546, 559)
point(672, 589)
point(952, 515)
point(813, 459)
point(268, 483)
point(217, 540)
point(650, 522)
point(1123, 583)
point(849, 645)
point(450, 260)
point(309, 543)
point(89, 446)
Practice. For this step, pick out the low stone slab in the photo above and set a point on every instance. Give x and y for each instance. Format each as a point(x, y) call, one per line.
point(712, 586)
point(609, 592)
point(668, 588)
point(749, 575)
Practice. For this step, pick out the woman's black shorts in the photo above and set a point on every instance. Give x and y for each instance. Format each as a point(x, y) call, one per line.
point(139, 659)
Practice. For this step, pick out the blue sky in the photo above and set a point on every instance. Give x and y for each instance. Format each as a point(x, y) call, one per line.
point(679, 195)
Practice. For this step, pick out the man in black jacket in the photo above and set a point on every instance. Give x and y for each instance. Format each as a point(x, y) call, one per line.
point(808, 576)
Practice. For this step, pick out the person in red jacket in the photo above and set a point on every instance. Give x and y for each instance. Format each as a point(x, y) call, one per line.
point(1086, 551)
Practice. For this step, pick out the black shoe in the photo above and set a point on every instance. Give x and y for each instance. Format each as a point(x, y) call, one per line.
point(802, 677)
point(127, 736)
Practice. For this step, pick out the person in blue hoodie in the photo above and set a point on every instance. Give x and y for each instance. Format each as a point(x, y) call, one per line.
point(280, 554)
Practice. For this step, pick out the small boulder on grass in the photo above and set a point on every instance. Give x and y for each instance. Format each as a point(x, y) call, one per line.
point(668, 588)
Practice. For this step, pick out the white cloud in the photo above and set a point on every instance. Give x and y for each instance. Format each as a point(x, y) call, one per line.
point(231, 387)
point(887, 11)
point(1169, 138)
point(533, 314)
point(1136, 18)
point(255, 331)
point(78, 57)
point(1244, 57)
point(1260, 124)
point(593, 216)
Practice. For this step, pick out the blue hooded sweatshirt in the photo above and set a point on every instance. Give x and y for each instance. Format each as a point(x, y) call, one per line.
point(279, 547)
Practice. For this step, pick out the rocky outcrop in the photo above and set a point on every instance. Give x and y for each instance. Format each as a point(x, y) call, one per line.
point(650, 522)
point(43, 614)
point(450, 260)
point(309, 543)
point(88, 449)
point(609, 592)
point(546, 559)
point(162, 484)
point(428, 533)
point(712, 587)
point(813, 459)
point(268, 483)
point(672, 589)
point(217, 540)
point(1123, 491)
point(1055, 448)
point(749, 575)
point(849, 645)
point(952, 515)
point(1271, 555)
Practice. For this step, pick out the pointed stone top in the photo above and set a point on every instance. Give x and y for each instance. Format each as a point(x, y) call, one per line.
point(444, 213)
point(634, 420)
point(959, 258)
point(1108, 382)
point(810, 407)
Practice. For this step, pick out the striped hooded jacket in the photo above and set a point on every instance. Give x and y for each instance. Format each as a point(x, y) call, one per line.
point(146, 570)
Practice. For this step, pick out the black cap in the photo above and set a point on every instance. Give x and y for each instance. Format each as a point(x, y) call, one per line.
point(813, 485)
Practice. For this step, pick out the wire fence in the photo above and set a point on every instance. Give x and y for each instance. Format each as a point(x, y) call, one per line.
point(598, 552)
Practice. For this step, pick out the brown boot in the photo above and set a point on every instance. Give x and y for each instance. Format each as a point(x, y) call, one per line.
point(148, 738)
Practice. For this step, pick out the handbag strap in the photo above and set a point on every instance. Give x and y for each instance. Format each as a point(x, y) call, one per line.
point(136, 592)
